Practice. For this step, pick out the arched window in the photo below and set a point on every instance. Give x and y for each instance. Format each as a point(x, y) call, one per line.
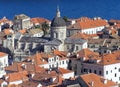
point(55, 35)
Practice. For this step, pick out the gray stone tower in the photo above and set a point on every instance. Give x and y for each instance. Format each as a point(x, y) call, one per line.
point(58, 30)
point(58, 27)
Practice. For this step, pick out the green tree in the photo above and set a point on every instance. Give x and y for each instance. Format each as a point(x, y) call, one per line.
point(65, 18)
point(45, 28)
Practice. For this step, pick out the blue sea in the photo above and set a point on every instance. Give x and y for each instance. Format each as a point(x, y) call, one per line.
point(107, 9)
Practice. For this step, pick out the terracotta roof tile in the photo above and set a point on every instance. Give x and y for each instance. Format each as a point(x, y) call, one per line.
point(110, 58)
point(8, 31)
point(16, 76)
point(1, 81)
point(5, 20)
point(29, 84)
point(60, 53)
point(86, 23)
point(17, 67)
point(97, 81)
point(39, 20)
point(87, 53)
point(64, 71)
point(23, 31)
point(3, 54)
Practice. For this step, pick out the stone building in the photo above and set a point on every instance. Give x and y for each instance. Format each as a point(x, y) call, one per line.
point(21, 22)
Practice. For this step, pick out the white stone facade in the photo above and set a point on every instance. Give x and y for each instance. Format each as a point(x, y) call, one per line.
point(3, 63)
point(55, 62)
point(68, 75)
point(76, 47)
point(110, 72)
point(92, 30)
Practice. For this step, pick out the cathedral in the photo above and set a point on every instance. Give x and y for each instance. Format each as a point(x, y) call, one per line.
point(59, 39)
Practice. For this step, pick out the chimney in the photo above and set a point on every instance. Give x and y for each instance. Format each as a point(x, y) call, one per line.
point(23, 66)
point(43, 60)
point(68, 54)
point(6, 77)
point(109, 51)
point(92, 83)
point(32, 75)
point(95, 18)
point(77, 55)
point(104, 80)
point(98, 18)
point(114, 23)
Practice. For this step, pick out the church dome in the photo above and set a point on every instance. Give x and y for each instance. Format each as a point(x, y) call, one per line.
point(58, 21)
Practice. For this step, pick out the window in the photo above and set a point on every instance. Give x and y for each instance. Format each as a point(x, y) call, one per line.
point(115, 74)
point(111, 71)
point(63, 62)
point(85, 70)
point(54, 58)
point(95, 71)
point(55, 35)
point(90, 71)
point(119, 69)
point(50, 66)
point(66, 62)
point(100, 72)
point(115, 67)
point(60, 63)
point(57, 64)
point(77, 47)
point(106, 72)
point(67, 46)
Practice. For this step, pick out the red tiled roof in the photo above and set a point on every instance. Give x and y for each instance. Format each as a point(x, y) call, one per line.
point(64, 71)
point(29, 84)
point(115, 21)
point(110, 58)
point(87, 53)
point(5, 20)
point(3, 54)
point(1, 81)
point(8, 31)
point(59, 53)
point(16, 76)
point(39, 20)
point(86, 23)
point(16, 67)
point(23, 31)
point(96, 80)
